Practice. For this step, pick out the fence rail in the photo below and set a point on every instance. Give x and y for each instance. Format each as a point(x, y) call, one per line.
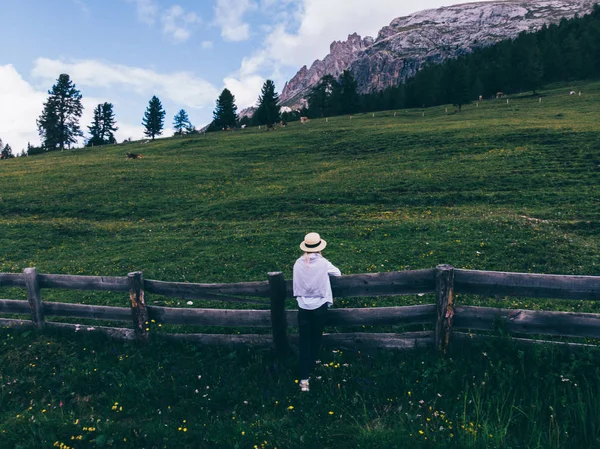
point(445, 281)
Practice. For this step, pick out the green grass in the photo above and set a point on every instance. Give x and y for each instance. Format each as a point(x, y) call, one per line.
point(508, 187)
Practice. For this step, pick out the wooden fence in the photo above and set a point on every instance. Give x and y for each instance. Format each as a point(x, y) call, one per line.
point(444, 280)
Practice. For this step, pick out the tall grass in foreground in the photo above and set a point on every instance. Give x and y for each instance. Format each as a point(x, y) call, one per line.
point(87, 392)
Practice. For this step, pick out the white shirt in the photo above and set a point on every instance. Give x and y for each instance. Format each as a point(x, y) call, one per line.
point(311, 283)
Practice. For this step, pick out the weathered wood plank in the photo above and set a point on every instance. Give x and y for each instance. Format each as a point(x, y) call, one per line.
point(210, 317)
point(366, 341)
point(111, 332)
point(444, 279)
point(278, 316)
point(355, 341)
point(7, 323)
point(14, 306)
point(394, 283)
point(99, 283)
point(376, 316)
point(217, 292)
point(139, 312)
point(87, 311)
point(12, 280)
point(566, 324)
point(115, 333)
point(464, 337)
point(384, 284)
point(422, 314)
point(246, 340)
point(525, 284)
point(34, 297)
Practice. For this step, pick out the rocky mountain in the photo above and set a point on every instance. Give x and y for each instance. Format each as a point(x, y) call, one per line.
point(429, 36)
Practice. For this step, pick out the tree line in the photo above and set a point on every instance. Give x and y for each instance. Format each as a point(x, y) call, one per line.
point(59, 128)
point(58, 124)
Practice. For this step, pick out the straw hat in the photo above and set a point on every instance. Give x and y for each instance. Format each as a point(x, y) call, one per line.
point(313, 243)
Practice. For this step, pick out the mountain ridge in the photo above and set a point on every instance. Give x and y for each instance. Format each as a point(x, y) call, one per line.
point(429, 36)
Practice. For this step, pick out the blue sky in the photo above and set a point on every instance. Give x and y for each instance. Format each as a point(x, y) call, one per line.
point(183, 51)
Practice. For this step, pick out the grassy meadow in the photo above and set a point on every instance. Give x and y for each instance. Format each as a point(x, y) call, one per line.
point(500, 186)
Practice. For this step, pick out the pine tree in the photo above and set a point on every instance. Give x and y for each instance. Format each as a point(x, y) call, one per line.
point(109, 122)
point(154, 118)
point(526, 63)
point(323, 100)
point(348, 95)
point(268, 107)
point(456, 82)
point(6, 152)
point(225, 113)
point(95, 129)
point(58, 125)
point(181, 123)
point(103, 126)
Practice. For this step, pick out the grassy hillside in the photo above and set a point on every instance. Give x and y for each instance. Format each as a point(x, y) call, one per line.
point(499, 186)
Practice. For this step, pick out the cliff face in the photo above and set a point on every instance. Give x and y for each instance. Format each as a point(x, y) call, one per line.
point(341, 56)
point(434, 35)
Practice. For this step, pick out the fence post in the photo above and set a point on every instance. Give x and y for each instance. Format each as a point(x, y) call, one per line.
point(444, 289)
point(278, 317)
point(34, 297)
point(139, 313)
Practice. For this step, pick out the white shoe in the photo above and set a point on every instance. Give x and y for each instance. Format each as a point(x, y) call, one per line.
point(304, 385)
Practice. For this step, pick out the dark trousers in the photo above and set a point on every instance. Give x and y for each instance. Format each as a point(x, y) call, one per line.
point(310, 326)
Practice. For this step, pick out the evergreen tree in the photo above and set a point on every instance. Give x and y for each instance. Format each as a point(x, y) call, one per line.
point(526, 64)
point(181, 123)
point(347, 94)
point(323, 99)
point(457, 83)
point(225, 113)
point(268, 108)
point(95, 129)
point(58, 125)
point(103, 126)
point(109, 122)
point(154, 118)
point(572, 59)
point(6, 152)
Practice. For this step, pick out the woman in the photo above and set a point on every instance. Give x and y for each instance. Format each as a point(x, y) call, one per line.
point(312, 290)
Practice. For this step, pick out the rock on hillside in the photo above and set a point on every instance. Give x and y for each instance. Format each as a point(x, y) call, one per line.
point(430, 36)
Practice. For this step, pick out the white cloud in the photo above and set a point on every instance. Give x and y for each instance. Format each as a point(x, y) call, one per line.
point(176, 23)
point(182, 88)
point(245, 89)
point(207, 45)
point(147, 10)
point(20, 107)
point(229, 16)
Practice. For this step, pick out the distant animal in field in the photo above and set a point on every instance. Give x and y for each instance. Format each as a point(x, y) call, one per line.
point(244, 126)
point(283, 123)
point(480, 97)
point(572, 93)
point(304, 120)
point(500, 95)
point(133, 156)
